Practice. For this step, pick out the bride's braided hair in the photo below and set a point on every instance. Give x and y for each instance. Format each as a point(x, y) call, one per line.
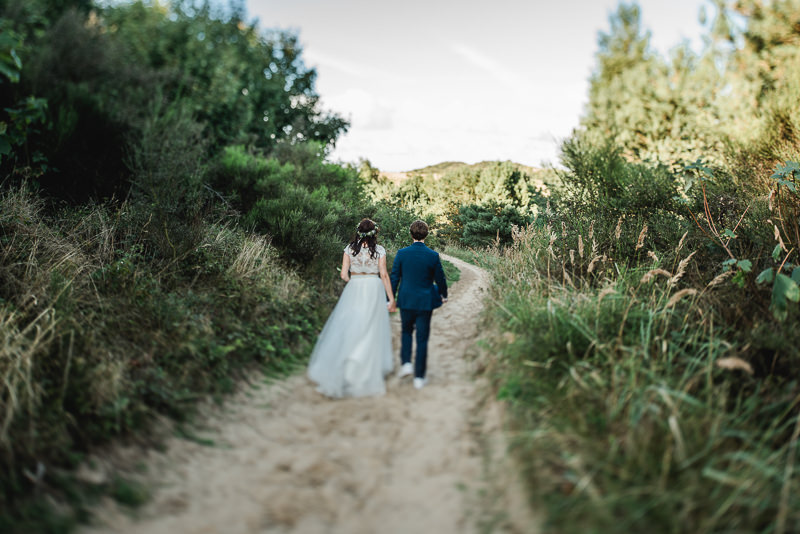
point(366, 233)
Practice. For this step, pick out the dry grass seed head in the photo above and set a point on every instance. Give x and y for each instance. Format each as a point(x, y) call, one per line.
point(679, 295)
point(720, 278)
point(649, 275)
point(642, 235)
point(606, 291)
point(681, 269)
point(734, 363)
point(618, 229)
point(680, 243)
point(652, 256)
point(580, 246)
point(593, 263)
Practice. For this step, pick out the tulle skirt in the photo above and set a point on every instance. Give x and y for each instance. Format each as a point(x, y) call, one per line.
point(354, 350)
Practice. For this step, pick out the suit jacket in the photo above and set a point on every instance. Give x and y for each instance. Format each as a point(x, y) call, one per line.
point(418, 267)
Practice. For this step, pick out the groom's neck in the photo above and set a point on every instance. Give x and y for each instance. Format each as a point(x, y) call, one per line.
point(419, 241)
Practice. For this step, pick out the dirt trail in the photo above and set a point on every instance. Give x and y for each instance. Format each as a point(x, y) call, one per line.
point(288, 460)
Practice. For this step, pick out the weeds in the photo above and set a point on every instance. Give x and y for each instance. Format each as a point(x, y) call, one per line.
point(634, 406)
point(99, 332)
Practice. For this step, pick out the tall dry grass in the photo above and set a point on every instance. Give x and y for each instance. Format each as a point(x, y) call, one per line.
point(634, 405)
point(20, 394)
point(99, 333)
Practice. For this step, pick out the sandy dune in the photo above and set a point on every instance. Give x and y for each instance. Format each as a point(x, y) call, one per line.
point(287, 460)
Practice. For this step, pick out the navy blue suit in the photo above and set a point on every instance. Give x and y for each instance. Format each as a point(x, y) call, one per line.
point(418, 267)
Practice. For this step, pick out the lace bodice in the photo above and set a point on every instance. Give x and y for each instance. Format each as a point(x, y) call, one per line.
point(361, 262)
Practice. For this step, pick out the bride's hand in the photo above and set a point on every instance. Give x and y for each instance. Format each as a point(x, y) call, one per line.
point(392, 306)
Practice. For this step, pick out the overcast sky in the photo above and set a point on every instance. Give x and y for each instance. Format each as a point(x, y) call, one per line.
point(425, 81)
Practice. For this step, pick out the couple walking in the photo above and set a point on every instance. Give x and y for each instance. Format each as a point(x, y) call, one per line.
point(353, 353)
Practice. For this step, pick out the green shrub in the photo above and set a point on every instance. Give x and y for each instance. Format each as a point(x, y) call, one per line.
point(99, 335)
point(308, 207)
point(479, 225)
point(599, 182)
point(634, 405)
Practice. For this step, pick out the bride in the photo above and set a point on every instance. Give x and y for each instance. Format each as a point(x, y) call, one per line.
point(354, 350)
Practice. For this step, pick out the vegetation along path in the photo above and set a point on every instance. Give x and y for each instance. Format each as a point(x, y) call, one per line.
point(286, 459)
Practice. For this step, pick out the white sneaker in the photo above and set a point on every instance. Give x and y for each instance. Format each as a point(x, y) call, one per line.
point(406, 370)
point(419, 383)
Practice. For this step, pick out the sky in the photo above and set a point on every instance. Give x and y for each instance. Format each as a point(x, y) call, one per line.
point(426, 81)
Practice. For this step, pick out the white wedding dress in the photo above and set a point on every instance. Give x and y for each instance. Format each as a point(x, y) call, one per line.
point(354, 350)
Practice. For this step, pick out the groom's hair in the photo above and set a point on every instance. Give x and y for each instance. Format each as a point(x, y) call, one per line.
point(419, 230)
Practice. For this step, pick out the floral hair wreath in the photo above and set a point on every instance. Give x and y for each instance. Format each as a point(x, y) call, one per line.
point(367, 234)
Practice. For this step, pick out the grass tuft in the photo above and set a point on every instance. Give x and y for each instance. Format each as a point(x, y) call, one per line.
point(634, 407)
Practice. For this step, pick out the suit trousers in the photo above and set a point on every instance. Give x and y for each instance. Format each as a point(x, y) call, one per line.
point(421, 320)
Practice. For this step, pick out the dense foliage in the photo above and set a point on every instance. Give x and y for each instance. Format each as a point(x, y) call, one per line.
point(646, 325)
point(474, 205)
point(168, 221)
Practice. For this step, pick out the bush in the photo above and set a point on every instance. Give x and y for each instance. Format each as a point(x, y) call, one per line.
point(634, 405)
point(98, 336)
point(598, 182)
point(478, 225)
point(308, 207)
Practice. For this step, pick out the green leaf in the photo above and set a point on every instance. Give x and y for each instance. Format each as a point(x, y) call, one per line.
point(796, 275)
point(765, 277)
point(789, 185)
point(727, 264)
point(745, 265)
point(727, 232)
point(11, 74)
point(16, 59)
point(791, 290)
point(783, 290)
point(776, 252)
point(787, 170)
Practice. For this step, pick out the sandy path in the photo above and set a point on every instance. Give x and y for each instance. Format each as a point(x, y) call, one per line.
point(288, 460)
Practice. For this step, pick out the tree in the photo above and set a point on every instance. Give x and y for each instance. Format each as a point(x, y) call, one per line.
point(107, 72)
point(653, 108)
point(626, 102)
point(246, 86)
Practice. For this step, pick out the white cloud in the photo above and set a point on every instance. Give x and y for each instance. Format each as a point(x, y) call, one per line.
point(494, 68)
point(436, 80)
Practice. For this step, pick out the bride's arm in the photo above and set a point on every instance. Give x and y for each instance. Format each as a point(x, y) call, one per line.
point(345, 272)
point(387, 284)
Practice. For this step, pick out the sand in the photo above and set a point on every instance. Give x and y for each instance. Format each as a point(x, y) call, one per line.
point(285, 459)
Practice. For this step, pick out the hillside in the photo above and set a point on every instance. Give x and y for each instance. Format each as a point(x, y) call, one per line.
point(547, 177)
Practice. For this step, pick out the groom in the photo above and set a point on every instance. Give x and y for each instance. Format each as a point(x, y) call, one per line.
point(418, 267)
